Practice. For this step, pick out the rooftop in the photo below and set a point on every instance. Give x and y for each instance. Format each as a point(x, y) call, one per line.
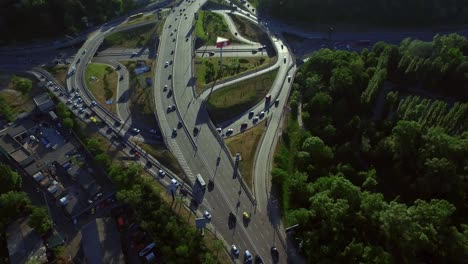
point(101, 242)
point(24, 243)
point(44, 102)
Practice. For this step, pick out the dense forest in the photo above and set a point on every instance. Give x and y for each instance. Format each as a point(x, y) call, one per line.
point(373, 165)
point(29, 19)
point(377, 12)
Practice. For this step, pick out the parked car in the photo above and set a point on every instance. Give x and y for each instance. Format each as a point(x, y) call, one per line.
point(235, 251)
point(147, 249)
point(136, 130)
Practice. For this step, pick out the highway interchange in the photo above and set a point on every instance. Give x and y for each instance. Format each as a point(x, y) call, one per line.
point(202, 152)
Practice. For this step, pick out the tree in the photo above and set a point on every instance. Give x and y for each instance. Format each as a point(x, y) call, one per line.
point(12, 204)
point(68, 123)
point(10, 179)
point(406, 138)
point(319, 152)
point(102, 159)
point(40, 220)
point(23, 84)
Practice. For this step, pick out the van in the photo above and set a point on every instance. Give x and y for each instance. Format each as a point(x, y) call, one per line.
point(201, 181)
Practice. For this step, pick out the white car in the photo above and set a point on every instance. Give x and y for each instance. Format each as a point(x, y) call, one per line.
point(261, 114)
point(93, 103)
point(219, 129)
point(207, 215)
point(165, 87)
point(167, 63)
point(248, 256)
point(175, 182)
point(145, 251)
point(69, 101)
point(136, 130)
point(134, 53)
point(152, 131)
point(235, 251)
point(161, 173)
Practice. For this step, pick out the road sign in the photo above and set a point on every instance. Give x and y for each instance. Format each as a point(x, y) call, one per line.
point(222, 42)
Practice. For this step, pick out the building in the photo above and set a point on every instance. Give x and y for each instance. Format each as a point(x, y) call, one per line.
point(101, 242)
point(24, 244)
point(44, 103)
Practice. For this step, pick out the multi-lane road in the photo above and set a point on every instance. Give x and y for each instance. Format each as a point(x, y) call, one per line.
point(199, 147)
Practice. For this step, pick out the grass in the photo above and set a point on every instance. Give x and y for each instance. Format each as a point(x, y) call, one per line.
point(60, 73)
point(105, 86)
point(233, 100)
point(141, 95)
point(211, 25)
point(15, 101)
point(163, 155)
point(133, 38)
point(232, 67)
point(248, 29)
point(246, 143)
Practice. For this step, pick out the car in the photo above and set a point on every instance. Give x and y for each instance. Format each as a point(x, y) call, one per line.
point(173, 40)
point(93, 103)
point(165, 88)
point(282, 46)
point(56, 88)
point(153, 131)
point(285, 59)
point(179, 124)
point(289, 78)
point(149, 164)
point(246, 215)
point(134, 53)
point(170, 62)
point(255, 119)
point(251, 114)
point(258, 259)
point(212, 53)
point(173, 107)
point(243, 126)
point(195, 131)
point(147, 249)
point(84, 51)
point(248, 256)
point(261, 114)
point(207, 215)
point(121, 78)
point(75, 105)
point(166, 64)
point(172, 52)
point(77, 94)
point(118, 67)
point(161, 173)
point(81, 110)
point(169, 77)
point(136, 130)
point(97, 196)
point(69, 101)
point(235, 251)
point(219, 129)
point(276, 102)
point(174, 131)
point(229, 131)
point(174, 182)
point(274, 254)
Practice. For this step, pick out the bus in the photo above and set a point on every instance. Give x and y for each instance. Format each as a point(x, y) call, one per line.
point(135, 16)
point(201, 181)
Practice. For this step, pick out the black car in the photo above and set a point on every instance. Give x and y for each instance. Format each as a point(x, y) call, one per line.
point(258, 259)
point(274, 254)
point(195, 131)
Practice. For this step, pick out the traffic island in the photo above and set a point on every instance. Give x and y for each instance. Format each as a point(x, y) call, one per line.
point(231, 101)
point(246, 144)
point(207, 69)
point(140, 93)
point(209, 26)
point(102, 80)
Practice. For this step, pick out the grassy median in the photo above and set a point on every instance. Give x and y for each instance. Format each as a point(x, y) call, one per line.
point(102, 81)
point(246, 143)
point(209, 26)
point(249, 30)
point(207, 69)
point(141, 94)
point(133, 38)
point(234, 100)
